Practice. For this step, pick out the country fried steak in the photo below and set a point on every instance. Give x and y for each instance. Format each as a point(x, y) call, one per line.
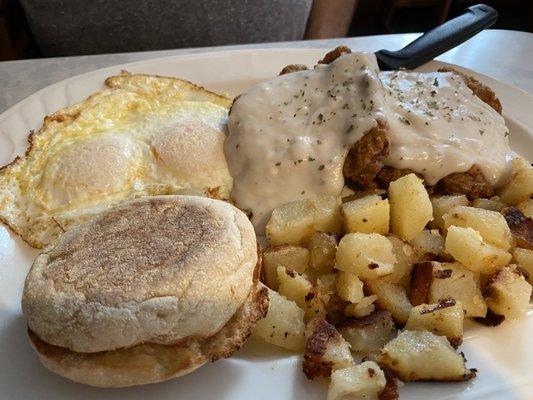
point(364, 162)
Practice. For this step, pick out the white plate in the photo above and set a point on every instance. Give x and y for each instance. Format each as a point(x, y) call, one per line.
point(258, 371)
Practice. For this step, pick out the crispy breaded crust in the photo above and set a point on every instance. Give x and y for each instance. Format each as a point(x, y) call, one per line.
point(365, 158)
point(158, 269)
point(482, 91)
point(293, 68)
point(151, 362)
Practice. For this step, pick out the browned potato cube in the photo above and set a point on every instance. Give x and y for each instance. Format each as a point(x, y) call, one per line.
point(444, 318)
point(520, 186)
point(368, 214)
point(508, 293)
point(467, 246)
point(370, 333)
point(325, 349)
point(524, 259)
point(521, 227)
point(491, 225)
point(492, 204)
point(295, 222)
point(410, 207)
point(350, 287)
point(293, 257)
point(367, 255)
point(526, 207)
point(428, 242)
point(391, 297)
point(298, 289)
point(283, 325)
point(406, 257)
point(322, 248)
point(443, 204)
point(363, 381)
point(424, 356)
point(434, 281)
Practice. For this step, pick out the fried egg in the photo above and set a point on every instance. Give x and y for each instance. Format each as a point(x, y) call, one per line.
point(143, 135)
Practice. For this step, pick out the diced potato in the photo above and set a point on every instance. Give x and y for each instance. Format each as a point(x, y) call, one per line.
point(491, 225)
point(521, 227)
point(452, 280)
point(424, 356)
point(421, 281)
point(283, 325)
point(492, 204)
point(508, 293)
point(444, 318)
point(391, 297)
point(428, 242)
point(406, 257)
point(325, 349)
point(466, 246)
point(295, 222)
point(524, 259)
point(410, 207)
point(443, 204)
point(526, 207)
point(293, 257)
point(363, 381)
point(350, 287)
point(298, 289)
point(322, 248)
point(326, 286)
point(520, 186)
point(368, 214)
point(370, 333)
point(367, 255)
point(361, 309)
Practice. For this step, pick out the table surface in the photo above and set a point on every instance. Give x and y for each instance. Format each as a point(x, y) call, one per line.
point(504, 55)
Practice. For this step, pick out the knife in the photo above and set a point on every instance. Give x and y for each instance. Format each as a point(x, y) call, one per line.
point(439, 40)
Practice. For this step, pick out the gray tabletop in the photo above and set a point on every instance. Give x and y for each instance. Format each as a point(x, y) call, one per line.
point(504, 55)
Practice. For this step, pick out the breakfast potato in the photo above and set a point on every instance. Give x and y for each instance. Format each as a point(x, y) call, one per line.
point(526, 207)
point(368, 214)
point(433, 281)
point(467, 246)
point(367, 255)
point(283, 325)
point(520, 186)
point(524, 259)
point(521, 227)
point(362, 381)
point(410, 207)
point(369, 333)
point(322, 248)
point(295, 258)
point(298, 289)
point(326, 286)
point(325, 349)
point(361, 309)
point(406, 257)
point(428, 242)
point(508, 293)
point(444, 318)
point(350, 287)
point(443, 204)
point(424, 356)
point(492, 204)
point(491, 225)
point(391, 297)
point(295, 222)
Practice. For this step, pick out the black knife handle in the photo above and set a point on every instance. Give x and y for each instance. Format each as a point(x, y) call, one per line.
point(439, 40)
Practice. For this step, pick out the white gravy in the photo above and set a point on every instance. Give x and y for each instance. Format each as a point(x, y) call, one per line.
point(288, 137)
